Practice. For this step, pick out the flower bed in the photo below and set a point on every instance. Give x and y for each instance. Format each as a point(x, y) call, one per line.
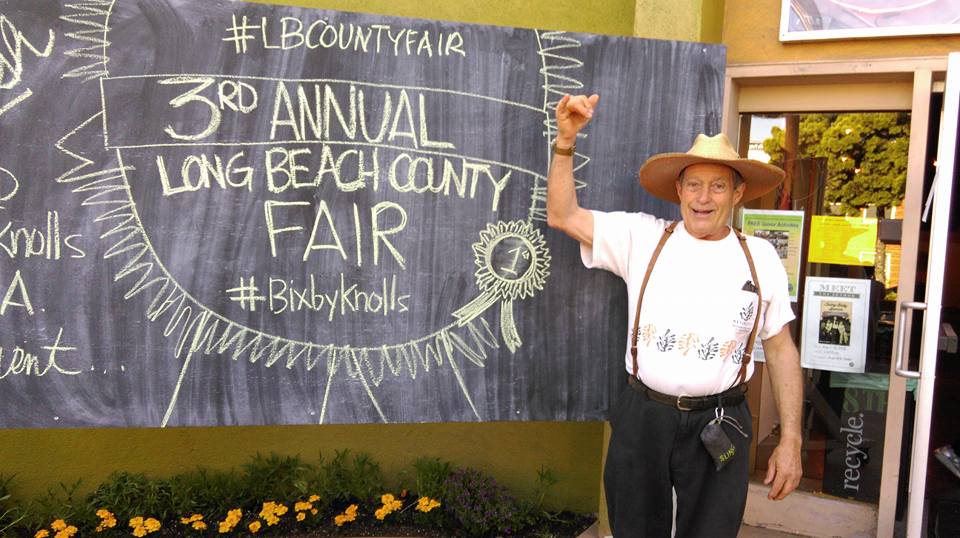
point(285, 496)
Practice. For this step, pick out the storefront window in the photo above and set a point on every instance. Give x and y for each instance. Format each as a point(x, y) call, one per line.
point(836, 223)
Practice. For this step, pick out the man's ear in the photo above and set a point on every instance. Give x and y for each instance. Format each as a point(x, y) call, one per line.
point(738, 192)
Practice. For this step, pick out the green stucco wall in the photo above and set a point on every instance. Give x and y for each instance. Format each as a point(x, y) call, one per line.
point(512, 452)
point(682, 20)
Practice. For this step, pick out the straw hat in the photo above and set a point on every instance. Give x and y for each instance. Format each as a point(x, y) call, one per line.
point(659, 174)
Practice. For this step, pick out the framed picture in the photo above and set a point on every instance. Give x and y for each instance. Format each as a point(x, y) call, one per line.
point(804, 20)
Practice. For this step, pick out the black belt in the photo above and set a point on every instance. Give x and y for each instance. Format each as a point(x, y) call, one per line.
point(731, 396)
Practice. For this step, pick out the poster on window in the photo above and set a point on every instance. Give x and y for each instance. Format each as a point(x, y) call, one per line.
point(784, 230)
point(835, 317)
point(843, 240)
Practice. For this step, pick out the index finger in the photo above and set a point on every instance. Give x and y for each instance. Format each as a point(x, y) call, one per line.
point(777, 490)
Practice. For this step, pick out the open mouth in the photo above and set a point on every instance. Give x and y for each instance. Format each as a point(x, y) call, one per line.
point(703, 212)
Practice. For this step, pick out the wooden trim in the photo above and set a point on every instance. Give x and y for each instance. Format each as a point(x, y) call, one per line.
point(895, 66)
point(913, 201)
point(827, 97)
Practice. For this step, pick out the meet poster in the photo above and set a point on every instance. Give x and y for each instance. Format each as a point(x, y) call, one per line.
point(835, 317)
point(784, 230)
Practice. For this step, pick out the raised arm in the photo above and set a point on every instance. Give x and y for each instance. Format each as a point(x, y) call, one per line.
point(563, 211)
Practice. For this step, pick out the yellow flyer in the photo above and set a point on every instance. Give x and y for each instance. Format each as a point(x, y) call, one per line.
point(842, 240)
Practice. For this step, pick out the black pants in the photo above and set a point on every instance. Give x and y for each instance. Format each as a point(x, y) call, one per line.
point(655, 447)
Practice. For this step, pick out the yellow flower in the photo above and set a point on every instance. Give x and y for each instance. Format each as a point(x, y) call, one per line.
point(426, 504)
point(152, 525)
point(254, 527)
point(58, 525)
point(314, 498)
point(199, 525)
point(103, 513)
point(140, 531)
point(302, 506)
point(301, 516)
point(314, 511)
point(191, 519)
point(136, 522)
point(381, 513)
point(351, 510)
point(386, 498)
point(42, 533)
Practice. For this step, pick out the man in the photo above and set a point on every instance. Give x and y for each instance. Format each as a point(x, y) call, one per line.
point(699, 294)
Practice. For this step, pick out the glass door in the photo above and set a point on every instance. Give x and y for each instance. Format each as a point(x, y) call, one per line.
point(856, 182)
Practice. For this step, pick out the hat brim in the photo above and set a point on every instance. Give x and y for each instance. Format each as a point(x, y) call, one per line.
point(660, 173)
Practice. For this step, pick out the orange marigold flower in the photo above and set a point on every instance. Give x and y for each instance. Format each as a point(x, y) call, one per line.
point(136, 522)
point(103, 513)
point(314, 511)
point(42, 533)
point(254, 527)
point(314, 498)
point(140, 531)
point(58, 525)
point(301, 516)
point(199, 525)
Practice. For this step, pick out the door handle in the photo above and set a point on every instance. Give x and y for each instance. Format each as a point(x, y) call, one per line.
point(901, 330)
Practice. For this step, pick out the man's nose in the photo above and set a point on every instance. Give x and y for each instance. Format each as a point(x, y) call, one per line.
point(703, 196)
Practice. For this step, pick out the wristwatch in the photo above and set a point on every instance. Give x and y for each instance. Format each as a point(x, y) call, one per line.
point(563, 151)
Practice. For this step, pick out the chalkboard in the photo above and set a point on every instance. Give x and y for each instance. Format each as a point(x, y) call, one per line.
point(219, 213)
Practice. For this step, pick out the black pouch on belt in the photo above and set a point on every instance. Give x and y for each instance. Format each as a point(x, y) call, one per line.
point(715, 440)
point(717, 443)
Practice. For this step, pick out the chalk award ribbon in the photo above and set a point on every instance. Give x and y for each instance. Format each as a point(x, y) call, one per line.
point(512, 263)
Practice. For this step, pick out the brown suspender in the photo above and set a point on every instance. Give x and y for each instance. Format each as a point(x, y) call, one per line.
point(643, 287)
point(748, 351)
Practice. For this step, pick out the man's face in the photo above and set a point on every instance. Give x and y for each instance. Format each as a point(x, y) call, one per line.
point(707, 197)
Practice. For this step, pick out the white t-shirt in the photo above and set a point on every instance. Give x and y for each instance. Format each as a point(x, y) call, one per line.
point(696, 317)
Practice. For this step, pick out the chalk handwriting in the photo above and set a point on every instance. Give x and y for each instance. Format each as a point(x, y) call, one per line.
point(287, 296)
point(9, 185)
point(230, 94)
point(350, 169)
point(16, 295)
point(292, 33)
point(20, 362)
point(47, 242)
point(323, 221)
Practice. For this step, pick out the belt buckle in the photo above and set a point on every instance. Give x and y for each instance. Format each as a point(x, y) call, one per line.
point(680, 405)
